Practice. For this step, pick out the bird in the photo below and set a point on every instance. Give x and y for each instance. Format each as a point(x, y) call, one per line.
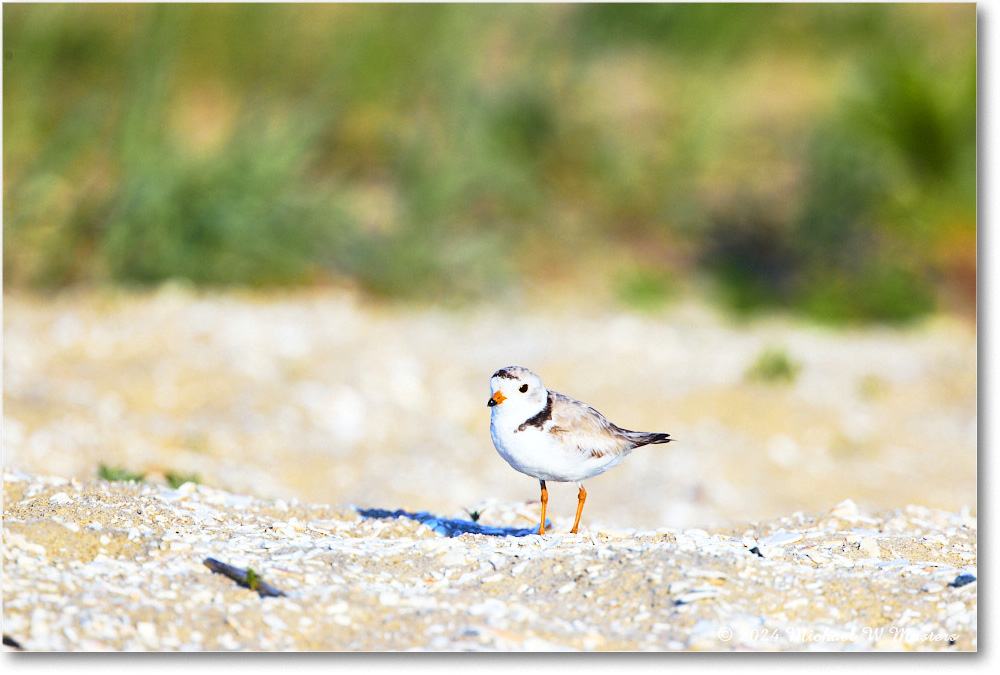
point(553, 437)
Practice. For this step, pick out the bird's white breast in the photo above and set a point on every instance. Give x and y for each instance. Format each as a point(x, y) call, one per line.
point(539, 453)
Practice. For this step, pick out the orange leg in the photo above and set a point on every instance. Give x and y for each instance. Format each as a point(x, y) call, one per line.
point(545, 502)
point(581, 497)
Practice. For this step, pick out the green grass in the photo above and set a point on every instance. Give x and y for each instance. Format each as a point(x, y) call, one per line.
point(119, 475)
point(816, 158)
point(175, 480)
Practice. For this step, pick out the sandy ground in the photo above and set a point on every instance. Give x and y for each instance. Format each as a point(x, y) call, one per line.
point(321, 397)
point(120, 566)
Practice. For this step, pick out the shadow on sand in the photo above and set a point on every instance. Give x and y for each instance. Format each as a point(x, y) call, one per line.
point(451, 527)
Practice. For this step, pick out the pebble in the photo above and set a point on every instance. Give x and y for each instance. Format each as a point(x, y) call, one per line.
point(869, 548)
point(147, 634)
point(274, 622)
point(846, 510)
point(818, 557)
point(695, 595)
point(781, 539)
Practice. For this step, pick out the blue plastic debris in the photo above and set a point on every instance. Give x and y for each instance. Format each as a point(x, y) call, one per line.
point(962, 580)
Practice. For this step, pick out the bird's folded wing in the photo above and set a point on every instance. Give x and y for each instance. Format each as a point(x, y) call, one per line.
point(577, 424)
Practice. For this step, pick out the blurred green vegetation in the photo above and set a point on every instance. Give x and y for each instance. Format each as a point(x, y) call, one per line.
point(774, 366)
point(117, 474)
point(815, 157)
point(175, 479)
point(646, 289)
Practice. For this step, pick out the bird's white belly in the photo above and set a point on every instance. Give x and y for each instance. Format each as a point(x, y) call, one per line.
point(537, 453)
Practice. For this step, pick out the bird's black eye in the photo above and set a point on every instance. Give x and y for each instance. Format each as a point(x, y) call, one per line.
point(523, 388)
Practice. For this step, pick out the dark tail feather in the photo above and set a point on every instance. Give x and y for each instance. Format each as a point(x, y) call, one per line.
point(643, 438)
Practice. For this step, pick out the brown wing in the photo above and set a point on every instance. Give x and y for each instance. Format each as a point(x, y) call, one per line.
point(590, 431)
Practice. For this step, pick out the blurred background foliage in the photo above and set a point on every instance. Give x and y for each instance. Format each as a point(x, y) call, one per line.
point(820, 158)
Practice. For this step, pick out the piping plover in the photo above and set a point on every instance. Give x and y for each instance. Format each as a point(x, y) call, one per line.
point(554, 437)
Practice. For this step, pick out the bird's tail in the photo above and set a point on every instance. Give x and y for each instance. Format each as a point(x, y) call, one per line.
point(646, 438)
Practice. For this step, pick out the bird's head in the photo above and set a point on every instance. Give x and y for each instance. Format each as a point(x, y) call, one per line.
point(515, 390)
